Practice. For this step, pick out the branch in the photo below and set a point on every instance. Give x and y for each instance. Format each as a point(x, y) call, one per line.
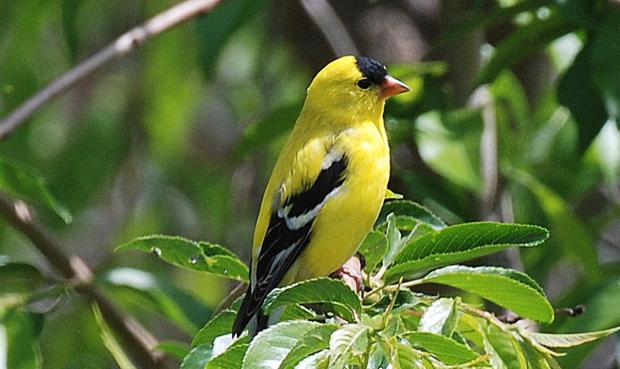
point(139, 342)
point(121, 46)
point(328, 22)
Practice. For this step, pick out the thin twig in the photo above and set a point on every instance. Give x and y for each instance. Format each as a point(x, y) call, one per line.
point(139, 342)
point(121, 46)
point(328, 22)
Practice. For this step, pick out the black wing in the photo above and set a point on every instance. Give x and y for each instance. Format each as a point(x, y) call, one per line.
point(288, 233)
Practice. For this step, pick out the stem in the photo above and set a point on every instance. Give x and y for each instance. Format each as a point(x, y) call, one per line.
point(139, 342)
point(126, 43)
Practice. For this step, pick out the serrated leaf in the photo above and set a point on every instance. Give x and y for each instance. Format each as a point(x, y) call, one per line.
point(320, 290)
point(440, 318)
point(349, 341)
point(272, 345)
point(231, 358)
point(28, 185)
point(508, 288)
point(406, 209)
point(315, 340)
point(219, 325)
point(445, 349)
point(462, 242)
point(198, 256)
point(373, 249)
point(320, 360)
point(568, 340)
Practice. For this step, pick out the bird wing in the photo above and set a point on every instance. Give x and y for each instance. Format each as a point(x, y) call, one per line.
point(315, 174)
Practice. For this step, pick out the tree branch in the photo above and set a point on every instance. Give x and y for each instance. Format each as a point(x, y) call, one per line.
point(328, 22)
point(121, 46)
point(138, 341)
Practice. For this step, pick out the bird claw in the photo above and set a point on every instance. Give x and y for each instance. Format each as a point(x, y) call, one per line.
point(351, 273)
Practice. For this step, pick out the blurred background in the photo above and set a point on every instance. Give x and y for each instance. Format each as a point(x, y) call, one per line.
point(513, 117)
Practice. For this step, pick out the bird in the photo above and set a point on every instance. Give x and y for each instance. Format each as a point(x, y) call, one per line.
point(328, 184)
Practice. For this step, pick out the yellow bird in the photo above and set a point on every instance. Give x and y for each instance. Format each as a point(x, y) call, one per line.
point(328, 184)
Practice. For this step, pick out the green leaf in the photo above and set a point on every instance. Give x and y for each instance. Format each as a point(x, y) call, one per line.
point(373, 249)
point(523, 42)
point(320, 290)
point(19, 344)
point(350, 340)
point(462, 242)
point(408, 212)
point(231, 358)
point(198, 256)
point(220, 324)
point(568, 340)
point(26, 184)
point(217, 28)
point(506, 347)
point(445, 349)
point(19, 278)
point(315, 340)
point(578, 93)
point(320, 360)
point(175, 349)
point(197, 358)
point(272, 345)
point(401, 356)
point(440, 318)
point(606, 75)
point(110, 341)
point(508, 288)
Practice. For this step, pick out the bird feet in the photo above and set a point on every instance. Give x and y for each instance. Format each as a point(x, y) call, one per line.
point(351, 272)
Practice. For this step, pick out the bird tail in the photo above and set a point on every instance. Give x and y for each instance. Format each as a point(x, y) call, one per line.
point(251, 316)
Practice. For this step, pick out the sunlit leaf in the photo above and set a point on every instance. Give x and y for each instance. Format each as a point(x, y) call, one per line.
point(462, 242)
point(315, 340)
point(197, 357)
point(198, 256)
point(272, 345)
point(568, 340)
point(508, 288)
point(231, 358)
point(440, 318)
point(350, 340)
point(320, 360)
point(405, 209)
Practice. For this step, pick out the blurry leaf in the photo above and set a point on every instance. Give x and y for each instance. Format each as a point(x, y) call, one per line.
point(231, 358)
point(219, 325)
point(197, 358)
point(175, 349)
point(19, 278)
point(579, 11)
point(568, 340)
point(404, 209)
point(391, 195)
point(315, 340)
point(149, 291)
point(216, 28)
point(444, 348)
point(577, 92)
point(440, 318)
point(606, 74)
point(267, 130)
point(462, 242)
point(24, 183)
point(198, 256)
point(526, 40)
point(350, 340)
point(19, 344)
point(313, 291)
point(569, 231)
point(110, 342)
point(505, 287)
point(272, 345)
point(70, 9)
point(373, 249)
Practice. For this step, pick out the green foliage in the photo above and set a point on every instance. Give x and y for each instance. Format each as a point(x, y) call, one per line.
point(390, 324)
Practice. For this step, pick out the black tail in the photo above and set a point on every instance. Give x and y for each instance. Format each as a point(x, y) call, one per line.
point(250, 313)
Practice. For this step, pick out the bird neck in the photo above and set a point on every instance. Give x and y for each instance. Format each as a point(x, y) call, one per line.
point(320, 116)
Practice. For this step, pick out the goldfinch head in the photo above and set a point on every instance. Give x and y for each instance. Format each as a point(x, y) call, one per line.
point(353, 86)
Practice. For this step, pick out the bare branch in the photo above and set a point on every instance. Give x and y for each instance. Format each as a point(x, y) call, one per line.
point(139, 342)
point(335, 32)
point(121, 46)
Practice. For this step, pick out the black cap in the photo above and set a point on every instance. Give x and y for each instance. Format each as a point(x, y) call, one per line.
point(371, 69)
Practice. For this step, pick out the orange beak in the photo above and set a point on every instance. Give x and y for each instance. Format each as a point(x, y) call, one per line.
point(391, 86)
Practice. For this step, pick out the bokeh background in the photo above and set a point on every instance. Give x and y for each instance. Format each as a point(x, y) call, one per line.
point(513, 117)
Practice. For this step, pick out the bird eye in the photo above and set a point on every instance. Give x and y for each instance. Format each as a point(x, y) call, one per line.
point(364, 83)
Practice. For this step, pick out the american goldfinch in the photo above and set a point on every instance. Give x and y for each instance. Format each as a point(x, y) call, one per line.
point(328, 184)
